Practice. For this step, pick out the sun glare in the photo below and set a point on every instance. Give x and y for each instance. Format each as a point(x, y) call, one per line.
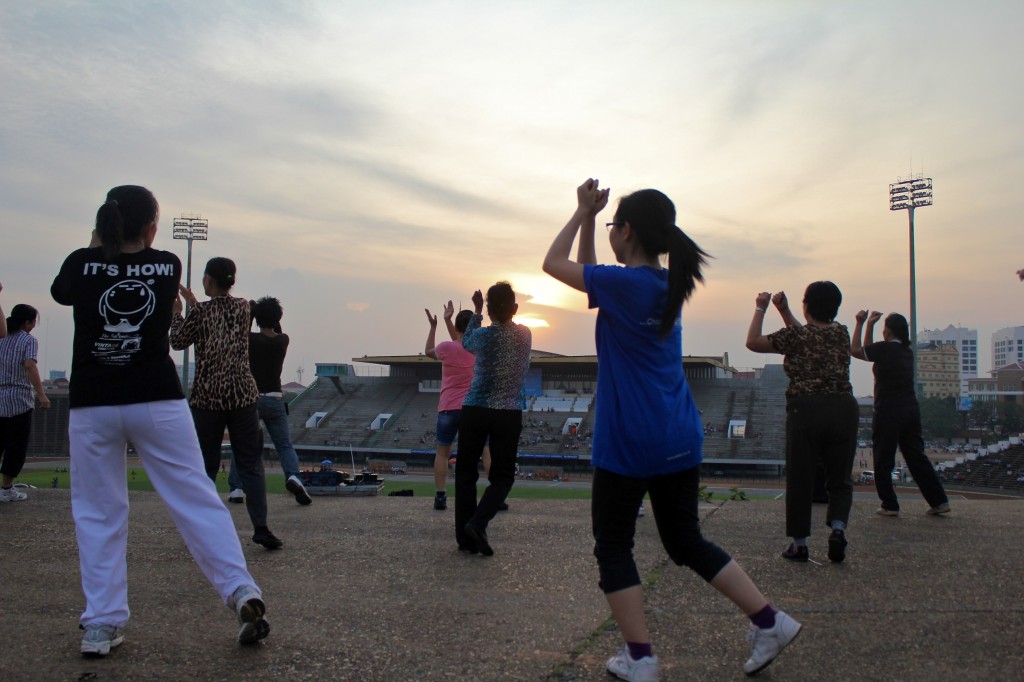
point(543, 290)
point(530, 321)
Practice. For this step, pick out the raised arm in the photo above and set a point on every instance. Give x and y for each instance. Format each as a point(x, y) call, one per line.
point(428, 349)
point(756, 340)
point(590, 201)
point(449, 311)
point(185, 330)
point(856, 347)
point(781, 304)
point(869, 328)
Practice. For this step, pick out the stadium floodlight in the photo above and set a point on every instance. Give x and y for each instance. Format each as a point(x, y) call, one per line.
point(191, 228)
point(907, 194)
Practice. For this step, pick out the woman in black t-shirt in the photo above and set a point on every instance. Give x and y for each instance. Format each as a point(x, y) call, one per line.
point(897, 417)
point(124, 387)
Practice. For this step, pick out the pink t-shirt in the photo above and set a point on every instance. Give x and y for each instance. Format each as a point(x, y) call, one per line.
point(456, 374)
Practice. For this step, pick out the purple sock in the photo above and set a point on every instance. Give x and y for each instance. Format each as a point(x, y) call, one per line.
point(765, 618)
point(638, 650)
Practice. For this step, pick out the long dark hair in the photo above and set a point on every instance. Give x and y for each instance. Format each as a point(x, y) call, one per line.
point(898, 327)
point(652, 216)
point(128, 210)
point(20, 314)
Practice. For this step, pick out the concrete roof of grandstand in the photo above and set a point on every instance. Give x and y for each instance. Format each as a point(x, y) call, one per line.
point(538, 358)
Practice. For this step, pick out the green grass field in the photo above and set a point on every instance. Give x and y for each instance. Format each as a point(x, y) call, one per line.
point(138, 480)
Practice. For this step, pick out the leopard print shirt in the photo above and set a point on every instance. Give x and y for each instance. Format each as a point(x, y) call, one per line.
point(817, 359)
point(219, 329)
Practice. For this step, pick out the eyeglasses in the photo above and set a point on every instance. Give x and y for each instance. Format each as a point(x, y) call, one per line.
point(609, 226)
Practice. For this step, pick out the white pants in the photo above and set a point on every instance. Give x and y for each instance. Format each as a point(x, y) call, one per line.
point(165, 437)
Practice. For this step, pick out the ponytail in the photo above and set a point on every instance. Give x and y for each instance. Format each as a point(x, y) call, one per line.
point(222, 271)
point(898, 327)
point(20, 315)
point(685, 261)
point(110, 229)
point(652, 215)
point(127, 212)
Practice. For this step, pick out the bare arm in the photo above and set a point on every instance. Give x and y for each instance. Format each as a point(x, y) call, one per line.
point(869, 328)
point(856, 347)
point(557, 262)
point(428, 349)
point(756, 340)
point(32, 370)
point(782, 305)
point(449, 310)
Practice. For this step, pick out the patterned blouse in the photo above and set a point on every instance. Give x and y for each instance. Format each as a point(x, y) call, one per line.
point(219, 328)
point(817, 359)
point(502, 353)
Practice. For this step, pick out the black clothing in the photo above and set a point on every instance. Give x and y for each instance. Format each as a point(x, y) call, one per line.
point(122, 310)
point(266, 360)
point(819, 428)
point(897, 423)
point(894, 371)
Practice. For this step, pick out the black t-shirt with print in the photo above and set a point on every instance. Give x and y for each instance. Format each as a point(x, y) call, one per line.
point(122, 312)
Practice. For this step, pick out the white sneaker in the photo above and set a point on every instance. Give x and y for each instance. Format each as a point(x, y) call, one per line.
point(247, 603)
point(12, 495)
point(295, 487)
point(624, 667)
point(98, 640)
point(640, 511)
point(766, 644)
point(237, 495)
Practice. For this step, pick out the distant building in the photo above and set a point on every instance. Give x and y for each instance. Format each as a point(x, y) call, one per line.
point(58, 374)
point(1007, 347)
point(938, 370)
point(1006, 384)
point(966, 342)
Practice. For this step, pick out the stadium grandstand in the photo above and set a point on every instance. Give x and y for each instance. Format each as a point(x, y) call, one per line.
point(387, 414)
point(390, 417)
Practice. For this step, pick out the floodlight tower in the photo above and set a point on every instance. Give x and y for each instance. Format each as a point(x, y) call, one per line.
point(192, 228)
point(906, 194)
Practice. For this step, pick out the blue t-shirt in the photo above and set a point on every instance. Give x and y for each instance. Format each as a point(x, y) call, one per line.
point(646, 423)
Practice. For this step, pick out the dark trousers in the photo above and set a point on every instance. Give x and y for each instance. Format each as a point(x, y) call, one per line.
point(243, 425)
point(14, 432)
point(478, 425)
point(899, 425)
point(674, 499)
point(819, 428)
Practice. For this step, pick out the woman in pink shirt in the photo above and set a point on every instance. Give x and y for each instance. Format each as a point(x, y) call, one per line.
point(456, 376)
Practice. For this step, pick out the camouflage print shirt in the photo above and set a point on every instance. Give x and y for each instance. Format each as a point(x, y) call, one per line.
point(817, 359)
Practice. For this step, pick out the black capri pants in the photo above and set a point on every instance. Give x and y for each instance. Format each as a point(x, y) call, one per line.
point(674, 499)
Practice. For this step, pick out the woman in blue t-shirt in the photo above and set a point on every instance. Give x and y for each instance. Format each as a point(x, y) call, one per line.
point(897, 416)
point(647, 432)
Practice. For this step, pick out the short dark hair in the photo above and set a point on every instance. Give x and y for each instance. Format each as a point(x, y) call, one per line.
point(462, 319)
point(268, 312)
point(501, 302)
point(822, 300)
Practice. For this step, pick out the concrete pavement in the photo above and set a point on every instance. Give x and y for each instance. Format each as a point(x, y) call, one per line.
point(374, 589)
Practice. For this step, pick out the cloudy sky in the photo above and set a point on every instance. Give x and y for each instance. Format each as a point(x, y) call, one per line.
point(364, 160)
